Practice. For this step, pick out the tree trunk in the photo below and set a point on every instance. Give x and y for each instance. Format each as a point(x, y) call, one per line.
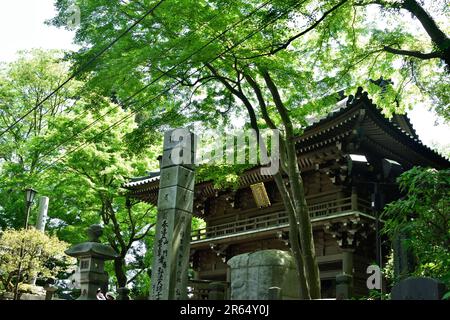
point(438, 37)
point(294, 237)
point(300, 228)
point(120, 273)
point(298, 193)
point(306, 233)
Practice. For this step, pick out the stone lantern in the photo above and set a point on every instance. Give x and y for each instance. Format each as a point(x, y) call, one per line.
point(91, 256)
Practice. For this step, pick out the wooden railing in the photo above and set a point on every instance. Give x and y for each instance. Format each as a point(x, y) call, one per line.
point(352, 203)
point(279, 219)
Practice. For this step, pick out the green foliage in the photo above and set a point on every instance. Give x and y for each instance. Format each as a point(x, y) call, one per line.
point(423, 214)
point(170, 53)
point(377, 295)
point(22, 84)
point(446, 296)
point(42, 255)
point(67, 152)
point(414, 80)
point(388, 269)
point(99, 165)
point(190, 78)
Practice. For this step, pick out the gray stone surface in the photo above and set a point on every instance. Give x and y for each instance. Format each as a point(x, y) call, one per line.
point(252, 274)
point(42, 217)
point(181, 144)
point(185, 158)
point(177, 176)
point(92, 249)
point(416, 288)
point(179, 137)
point(175, 198)
point(275, 293)
point(91, 257)
point(344, 286)
point(404, 263)
point(173, 228)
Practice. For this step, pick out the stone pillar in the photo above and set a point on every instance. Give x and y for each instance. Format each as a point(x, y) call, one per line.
point(274, 293)
point(41, 222)
point(344, 286)
point(42, 217)
point(173, 227)
point(404, 263)
point(354, 199)
point(92, 256)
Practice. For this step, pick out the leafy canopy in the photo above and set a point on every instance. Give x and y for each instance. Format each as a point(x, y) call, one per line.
point(423, 215)
point(42, 255)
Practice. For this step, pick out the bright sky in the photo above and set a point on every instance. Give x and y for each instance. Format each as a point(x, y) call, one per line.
point(22, 25)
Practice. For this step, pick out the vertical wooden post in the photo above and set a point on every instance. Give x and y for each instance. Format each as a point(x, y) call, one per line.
point(216, 291)
point(354, 200)
point(347, 261)
point(228, 292)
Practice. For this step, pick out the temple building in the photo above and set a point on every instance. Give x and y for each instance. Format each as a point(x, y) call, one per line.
point(349, 161)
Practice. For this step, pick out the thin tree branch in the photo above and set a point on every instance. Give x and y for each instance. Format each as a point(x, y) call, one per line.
point(416, 54)
point(145, 233)
point(286, 43)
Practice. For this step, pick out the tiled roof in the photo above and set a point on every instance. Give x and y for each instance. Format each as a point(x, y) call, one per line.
point(134, 182)
point(316, 121)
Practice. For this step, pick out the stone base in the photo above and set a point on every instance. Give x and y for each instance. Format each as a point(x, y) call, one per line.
point(253, 274)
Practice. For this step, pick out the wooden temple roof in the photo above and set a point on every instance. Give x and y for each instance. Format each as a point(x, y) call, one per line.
point(354, 120)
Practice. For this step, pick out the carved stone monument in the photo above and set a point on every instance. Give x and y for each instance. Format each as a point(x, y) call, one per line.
point(344, 286)
point(173, 228)
point(92, 256)
point(253, 274)
point(404, 263)
point(416, 288)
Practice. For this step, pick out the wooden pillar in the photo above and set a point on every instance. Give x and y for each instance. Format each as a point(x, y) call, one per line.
point(347, 261)
point(354, 199)
point(344, 281)
point(228, 291)
point(196, 275)
point(216, 291)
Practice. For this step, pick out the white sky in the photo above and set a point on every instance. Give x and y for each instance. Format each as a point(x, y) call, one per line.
point(22, 27)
